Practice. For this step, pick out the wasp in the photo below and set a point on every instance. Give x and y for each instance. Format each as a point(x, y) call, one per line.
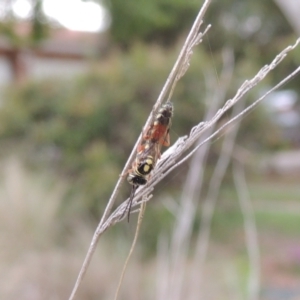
point(149, 150)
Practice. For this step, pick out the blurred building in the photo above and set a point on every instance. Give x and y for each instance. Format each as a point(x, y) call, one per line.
point(65, 53)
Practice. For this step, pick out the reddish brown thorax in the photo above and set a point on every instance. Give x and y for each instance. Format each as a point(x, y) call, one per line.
point(159, 130)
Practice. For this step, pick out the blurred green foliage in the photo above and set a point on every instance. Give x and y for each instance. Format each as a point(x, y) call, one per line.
point(158, 20)
point(163, 21)
point(85, 128)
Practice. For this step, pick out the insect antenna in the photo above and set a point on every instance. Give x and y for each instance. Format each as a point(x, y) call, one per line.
point(128, 206)
point(134, 188)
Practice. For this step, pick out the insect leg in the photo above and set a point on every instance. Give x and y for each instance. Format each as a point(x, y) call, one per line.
point(166, 140)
